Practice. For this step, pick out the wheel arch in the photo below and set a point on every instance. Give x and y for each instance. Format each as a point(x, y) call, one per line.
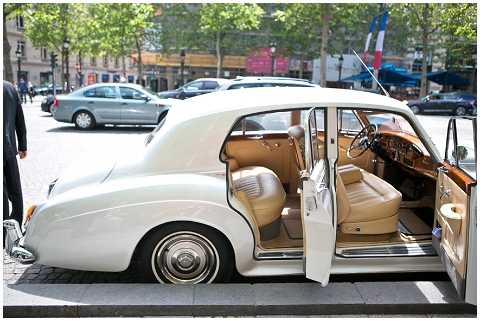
point(186, 223)
point(80, 109)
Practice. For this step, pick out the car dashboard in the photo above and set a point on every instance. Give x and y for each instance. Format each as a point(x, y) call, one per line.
point(405, 150)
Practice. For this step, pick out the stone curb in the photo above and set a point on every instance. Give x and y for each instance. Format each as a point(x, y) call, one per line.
point(132, 300)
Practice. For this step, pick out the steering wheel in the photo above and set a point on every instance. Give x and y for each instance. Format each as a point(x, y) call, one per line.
point(362, 141)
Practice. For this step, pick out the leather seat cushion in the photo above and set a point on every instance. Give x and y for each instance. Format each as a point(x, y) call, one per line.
point(264, 191)
point(371, 198)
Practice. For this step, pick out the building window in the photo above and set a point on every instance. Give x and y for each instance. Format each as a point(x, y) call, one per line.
point(21, 46)
point(105, 61)
point(93, 61)
point(117, 62)
point(19, 21)
point(44, 53)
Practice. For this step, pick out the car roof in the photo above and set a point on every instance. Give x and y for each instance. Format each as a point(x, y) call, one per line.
point(271, 80)
point(254, 100)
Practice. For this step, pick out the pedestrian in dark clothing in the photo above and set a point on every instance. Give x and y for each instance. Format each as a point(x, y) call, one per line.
point(13, 122)
point(30, 92)
point(23, 88)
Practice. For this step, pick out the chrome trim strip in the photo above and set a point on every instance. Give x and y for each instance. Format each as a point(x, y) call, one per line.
point(414, 249)
point(280, 255)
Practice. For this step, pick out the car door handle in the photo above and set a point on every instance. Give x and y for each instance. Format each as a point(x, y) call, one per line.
point(124, 104)
point(90, 102)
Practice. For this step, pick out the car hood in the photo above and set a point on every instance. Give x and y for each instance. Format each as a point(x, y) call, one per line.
point(83, 172)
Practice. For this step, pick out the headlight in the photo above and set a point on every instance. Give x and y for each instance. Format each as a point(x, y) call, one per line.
point(51, 186)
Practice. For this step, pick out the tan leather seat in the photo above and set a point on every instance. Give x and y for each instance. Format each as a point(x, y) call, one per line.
point(366, 204)
point(265, 195)
point(296, 139)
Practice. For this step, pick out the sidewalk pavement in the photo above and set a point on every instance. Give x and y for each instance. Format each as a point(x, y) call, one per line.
point(363, 298)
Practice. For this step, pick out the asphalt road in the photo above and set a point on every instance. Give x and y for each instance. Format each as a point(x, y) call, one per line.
point(52, 146)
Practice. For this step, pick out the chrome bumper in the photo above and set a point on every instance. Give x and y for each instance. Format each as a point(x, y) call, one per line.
point(12, 243)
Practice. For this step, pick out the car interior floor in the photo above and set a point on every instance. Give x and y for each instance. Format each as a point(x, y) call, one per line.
point(291, 230)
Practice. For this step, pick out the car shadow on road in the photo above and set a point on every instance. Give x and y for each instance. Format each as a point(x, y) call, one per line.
point(104, 130)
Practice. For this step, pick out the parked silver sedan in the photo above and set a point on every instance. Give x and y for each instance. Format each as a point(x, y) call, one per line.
point(110, 103)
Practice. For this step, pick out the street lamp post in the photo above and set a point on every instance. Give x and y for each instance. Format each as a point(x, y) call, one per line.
point(182, 66)
point(18, 53)
point(66, 44)
point(340, 65)
point(273, 48)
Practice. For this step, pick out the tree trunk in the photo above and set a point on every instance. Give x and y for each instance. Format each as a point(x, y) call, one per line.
point(7, 63)
point(62, 70)
point(323, 48)
point(218, 49)
point(425, 23)
point(124, 67)
point(300, 67)
point(139, 59)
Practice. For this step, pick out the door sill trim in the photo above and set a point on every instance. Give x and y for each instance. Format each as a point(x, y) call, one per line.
point(398, 250)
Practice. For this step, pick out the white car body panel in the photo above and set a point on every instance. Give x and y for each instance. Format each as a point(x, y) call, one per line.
point(93, 220)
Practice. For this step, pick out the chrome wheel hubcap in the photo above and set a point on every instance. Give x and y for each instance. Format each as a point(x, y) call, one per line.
point(84, 120)
point(185, 258)
point(460, 111)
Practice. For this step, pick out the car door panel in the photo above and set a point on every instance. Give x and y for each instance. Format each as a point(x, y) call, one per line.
point(455, 219)
point(317, 201)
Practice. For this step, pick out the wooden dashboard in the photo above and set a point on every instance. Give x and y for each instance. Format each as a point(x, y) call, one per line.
point(408, 151)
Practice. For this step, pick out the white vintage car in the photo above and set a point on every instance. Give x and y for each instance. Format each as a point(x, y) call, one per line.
point(269, 181)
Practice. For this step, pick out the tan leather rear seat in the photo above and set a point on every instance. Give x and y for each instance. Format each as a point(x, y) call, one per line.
point(265, 195)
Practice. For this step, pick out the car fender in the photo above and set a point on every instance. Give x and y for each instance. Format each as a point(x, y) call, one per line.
point(98, 227)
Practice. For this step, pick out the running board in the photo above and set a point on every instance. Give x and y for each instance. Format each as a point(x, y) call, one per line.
point(279, 255)
point(425, 249)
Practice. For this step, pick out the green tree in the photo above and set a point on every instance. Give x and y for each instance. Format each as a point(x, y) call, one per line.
point(221, 21)
point(10, 10)
point(423, 19)
point(121, 29)
point(49, 24)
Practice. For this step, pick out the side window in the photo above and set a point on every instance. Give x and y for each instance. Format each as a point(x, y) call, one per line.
point(461, 144)
point(210, 84)
point(130, 93)
point(276, 122)
point(239, 86)
point(348, 121)
point(316, 124)
point(101, 92)
point(194, 85)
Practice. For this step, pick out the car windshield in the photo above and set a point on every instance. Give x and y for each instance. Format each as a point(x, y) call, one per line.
point(390, 122)
point(151, 92)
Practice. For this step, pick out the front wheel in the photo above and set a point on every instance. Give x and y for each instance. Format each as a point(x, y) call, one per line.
point(186, 254)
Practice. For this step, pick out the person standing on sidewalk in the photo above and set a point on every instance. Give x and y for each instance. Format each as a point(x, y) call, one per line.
point(23, 88)
point(30, 92)
point(13, 122)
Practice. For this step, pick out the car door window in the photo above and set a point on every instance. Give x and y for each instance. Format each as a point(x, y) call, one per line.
point(461, 150)
point(130, 93)
point(348, 122)
point(275, 122)
point(210, 85)
point(101, 92)
point(239, 86)
point(196, 85)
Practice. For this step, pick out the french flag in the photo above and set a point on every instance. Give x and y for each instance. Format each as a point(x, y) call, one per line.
point(369, 37)
point(379, 46)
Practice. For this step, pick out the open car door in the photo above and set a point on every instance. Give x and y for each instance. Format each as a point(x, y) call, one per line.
point(317, 201)
point(455, 207)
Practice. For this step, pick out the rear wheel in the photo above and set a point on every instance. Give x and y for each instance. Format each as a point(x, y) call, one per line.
point(460, 111)
point(84, 120)
point(186, 254)
point(415, 109)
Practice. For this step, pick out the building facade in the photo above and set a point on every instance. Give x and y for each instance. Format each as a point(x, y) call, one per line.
point(35, 66)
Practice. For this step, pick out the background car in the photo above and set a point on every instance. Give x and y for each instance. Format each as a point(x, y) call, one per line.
point(47, 103)
point(255, 82)
point(455, 103)
point(194, 88)
point(110, 103)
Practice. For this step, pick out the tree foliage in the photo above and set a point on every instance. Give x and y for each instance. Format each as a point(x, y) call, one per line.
point(221, 21)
